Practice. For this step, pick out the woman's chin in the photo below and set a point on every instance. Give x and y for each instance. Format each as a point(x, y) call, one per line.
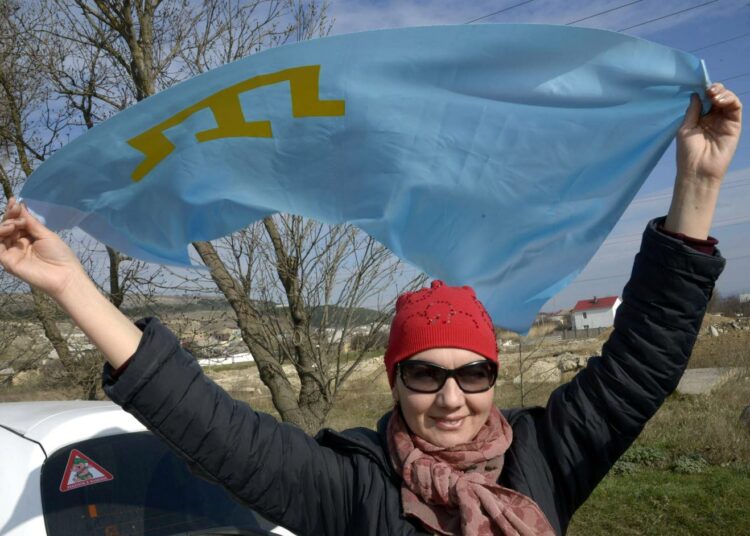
point(448, 438)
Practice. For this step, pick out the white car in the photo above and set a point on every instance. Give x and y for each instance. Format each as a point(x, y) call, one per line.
point(79, 468)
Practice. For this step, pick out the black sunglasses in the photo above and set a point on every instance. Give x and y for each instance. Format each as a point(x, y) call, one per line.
point(426, 377)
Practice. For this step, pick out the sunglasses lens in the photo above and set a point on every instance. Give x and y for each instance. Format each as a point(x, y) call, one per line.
point(477, 377)
point(425, 377)
point(422, 377)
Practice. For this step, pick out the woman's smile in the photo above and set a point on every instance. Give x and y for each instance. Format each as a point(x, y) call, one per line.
point(448, 424)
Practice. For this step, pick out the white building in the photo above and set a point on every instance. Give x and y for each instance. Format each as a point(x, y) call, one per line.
point(245, 357)
point(595, 313)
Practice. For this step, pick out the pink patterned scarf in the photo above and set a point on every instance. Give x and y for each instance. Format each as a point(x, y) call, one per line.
point(454, 490)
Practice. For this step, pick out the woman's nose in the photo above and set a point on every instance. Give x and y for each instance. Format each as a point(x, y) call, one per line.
point(450, 395)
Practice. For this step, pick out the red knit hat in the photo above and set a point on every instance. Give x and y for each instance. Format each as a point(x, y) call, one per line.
point(439, 317)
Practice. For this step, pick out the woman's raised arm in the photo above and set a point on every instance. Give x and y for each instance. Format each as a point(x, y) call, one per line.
point(705, 147)
point(590, 421)
point(271, 466)
point(38, 256)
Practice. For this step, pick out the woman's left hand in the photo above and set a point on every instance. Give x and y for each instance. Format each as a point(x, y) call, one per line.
point(705, 147)
point(706, 143)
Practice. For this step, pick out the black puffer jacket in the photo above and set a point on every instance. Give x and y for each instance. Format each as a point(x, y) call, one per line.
point(342, 483)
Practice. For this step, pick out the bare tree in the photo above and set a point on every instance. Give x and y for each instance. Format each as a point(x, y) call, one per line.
point(92, 47)
point(29, 133)
point(297, 288)
point(229, 30)
point(17, 351)
point(530, 378)
point(295, 285)
point(49, 88)
point(89, 82)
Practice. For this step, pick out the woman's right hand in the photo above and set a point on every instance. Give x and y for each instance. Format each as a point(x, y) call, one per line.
point(33, 253)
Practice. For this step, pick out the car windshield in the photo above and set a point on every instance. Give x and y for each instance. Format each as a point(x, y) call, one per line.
point(132, 484)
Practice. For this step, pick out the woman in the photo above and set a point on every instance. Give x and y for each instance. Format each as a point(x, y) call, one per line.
point(445, 460)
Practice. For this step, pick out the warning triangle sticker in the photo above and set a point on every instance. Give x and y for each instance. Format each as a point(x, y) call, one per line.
point(82, 471)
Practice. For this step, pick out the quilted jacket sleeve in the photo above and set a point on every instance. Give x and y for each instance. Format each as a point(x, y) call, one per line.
point(592, 420)
point(273, 467)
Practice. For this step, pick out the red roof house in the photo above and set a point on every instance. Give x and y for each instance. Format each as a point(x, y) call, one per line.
point(595, 312)
point(596, 303)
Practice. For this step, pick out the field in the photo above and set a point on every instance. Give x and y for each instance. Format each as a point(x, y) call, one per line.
point(688, 473)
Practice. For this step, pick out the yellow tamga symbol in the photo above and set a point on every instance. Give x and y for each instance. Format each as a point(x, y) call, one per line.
point(230, 122)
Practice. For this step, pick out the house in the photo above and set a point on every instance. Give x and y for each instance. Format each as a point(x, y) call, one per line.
point(595, 313)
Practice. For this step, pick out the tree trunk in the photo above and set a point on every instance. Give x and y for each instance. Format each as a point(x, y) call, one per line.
point(313, 396)
point(45, 312)
point(309, 415)
point(44, 309)
point(116, 292)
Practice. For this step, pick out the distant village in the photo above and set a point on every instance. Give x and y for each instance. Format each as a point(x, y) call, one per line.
point(220, 346)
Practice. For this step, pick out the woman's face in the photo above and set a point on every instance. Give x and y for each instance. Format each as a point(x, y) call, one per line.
point(449, 417)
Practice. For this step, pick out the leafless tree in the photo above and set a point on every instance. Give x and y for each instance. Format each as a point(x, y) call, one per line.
point(102, 56)
point(296, 285)
point(296, 288)
point(228, 30)
point(299, 290)
point(30, 131)
point(49, 87)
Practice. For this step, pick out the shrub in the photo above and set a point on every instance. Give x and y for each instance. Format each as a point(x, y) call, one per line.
point(622, 467)
point(645, 455)
point(690, 464)
point(639, 456)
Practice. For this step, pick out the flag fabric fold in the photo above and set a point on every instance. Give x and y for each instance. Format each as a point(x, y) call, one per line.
point(498, 156)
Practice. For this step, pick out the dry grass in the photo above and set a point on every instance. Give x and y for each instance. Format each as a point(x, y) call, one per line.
point(731, 349)
point(32, 393)
point(536, 331)
point(708, 425)
point(364, 400)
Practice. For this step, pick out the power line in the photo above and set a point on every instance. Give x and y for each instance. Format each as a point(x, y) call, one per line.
point(586, 280)
point(734, 184)
point(667, 16)
point(627, 274)
point(720, 42)
point(636, 237)
point(668, 195)
point(732, 221)
point(499, 11)
point(628, 238)
point(728, 185)
point(735, 76)
point(621, 6)
point(602, 12)
point(599, 13)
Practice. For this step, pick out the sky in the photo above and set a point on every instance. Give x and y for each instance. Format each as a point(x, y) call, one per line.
point(717, 31)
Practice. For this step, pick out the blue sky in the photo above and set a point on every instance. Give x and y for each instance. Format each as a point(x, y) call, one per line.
point(700, 28)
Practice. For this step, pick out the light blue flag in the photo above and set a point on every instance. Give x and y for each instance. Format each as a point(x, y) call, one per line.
point(498, 156)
